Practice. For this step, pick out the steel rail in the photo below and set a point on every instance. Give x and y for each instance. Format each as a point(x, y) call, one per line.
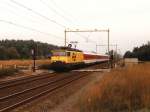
point(28, 85)
point(58, 85)
point(22, 80)
point(29, 89)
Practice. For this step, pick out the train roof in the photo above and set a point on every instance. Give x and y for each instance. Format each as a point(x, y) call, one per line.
point(67, 49)
point(94, 53)
point(77, 50)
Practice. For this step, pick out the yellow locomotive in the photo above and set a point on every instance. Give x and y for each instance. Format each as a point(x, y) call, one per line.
point(66, 58)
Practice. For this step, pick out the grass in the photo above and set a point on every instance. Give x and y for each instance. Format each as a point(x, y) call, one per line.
point(10, 67)
point(23, 62)
point(122, 90)
point(7, 72)
point(45, 66)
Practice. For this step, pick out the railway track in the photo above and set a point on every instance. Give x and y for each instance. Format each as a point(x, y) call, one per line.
point(22, 91)
point(7, 83)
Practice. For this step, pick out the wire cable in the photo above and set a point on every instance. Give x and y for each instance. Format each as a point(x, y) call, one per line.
point(74, 19)
point(37, 13)
point(28, 28)
point(64, 17)
point(20, 15)
point(87, 38)
point(55, 11)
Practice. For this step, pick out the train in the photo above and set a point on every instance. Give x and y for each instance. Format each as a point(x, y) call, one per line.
point(68, 58)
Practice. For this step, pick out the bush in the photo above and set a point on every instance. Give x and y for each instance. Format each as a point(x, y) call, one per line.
point(7, 71)
point(45, 66)
point(121, 90)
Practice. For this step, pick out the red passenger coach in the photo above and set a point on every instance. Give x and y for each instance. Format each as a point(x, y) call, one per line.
point(95, 58)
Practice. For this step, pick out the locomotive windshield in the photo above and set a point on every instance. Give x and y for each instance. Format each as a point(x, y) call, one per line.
point(59, 53)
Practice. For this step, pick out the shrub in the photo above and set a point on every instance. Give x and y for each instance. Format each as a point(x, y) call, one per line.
point(121, 90)
point(7, 71)
point(45, 66)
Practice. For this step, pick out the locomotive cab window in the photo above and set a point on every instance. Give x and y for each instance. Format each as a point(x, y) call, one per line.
point(68, 53)
point(59, 53)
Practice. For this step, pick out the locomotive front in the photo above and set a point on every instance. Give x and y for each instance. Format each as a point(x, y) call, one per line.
point(66, 59)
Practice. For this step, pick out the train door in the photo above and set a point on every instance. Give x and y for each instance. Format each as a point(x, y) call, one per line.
point(73, 57)
point(68, 54)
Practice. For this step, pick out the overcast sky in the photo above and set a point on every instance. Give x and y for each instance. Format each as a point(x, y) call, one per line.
point(46, 20)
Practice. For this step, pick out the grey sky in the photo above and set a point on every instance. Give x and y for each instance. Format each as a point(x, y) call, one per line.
point(128, 21)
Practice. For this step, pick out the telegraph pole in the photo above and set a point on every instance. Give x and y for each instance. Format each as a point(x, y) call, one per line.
point(65, 38)
point(116, 53)
point(108, 41)
point(108, 50)
point(34, 58)
point(96, 48)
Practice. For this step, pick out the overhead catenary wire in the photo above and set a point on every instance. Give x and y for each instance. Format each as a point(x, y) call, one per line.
point(16, 14)
point(87, 38)
point(28, 28)
point(45, 17)
point(69, 15)
point(54, 10)
point(37, 13)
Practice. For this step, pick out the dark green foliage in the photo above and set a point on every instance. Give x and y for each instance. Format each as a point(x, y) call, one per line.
point(142, 52)
point(7, 71)
point(21, 49)
point(12, 53)
point(3, 52)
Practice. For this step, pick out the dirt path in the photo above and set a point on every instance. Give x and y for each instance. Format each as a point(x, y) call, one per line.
point(69, 105)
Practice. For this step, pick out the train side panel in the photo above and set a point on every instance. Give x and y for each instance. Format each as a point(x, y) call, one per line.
point(93, 58)
point(75, 57)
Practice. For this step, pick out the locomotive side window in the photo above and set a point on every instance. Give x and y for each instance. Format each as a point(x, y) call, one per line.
point(68, 53)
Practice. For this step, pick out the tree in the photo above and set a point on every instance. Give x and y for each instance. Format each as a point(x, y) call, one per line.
point(12, 53)
point(3, 53)
point(13, 49)
point(142, 52)
point(128, 54)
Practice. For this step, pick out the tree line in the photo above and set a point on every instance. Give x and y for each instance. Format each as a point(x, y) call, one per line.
point(142, 52)
point(21, 49)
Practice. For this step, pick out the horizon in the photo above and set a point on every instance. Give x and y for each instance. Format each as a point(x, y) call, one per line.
point(46, 21)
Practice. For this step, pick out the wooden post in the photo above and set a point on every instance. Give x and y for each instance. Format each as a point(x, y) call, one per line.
point(1, 66)
point(15, 66)
point(65, 39)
